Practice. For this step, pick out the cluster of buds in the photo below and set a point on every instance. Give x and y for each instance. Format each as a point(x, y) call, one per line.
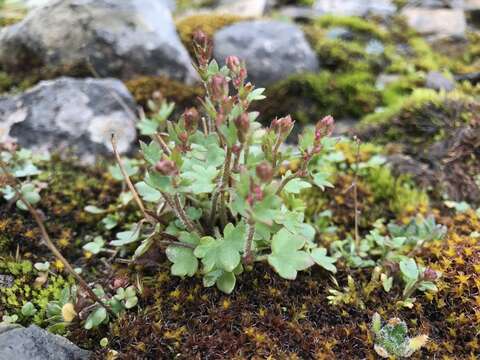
point(238, 71)
point(242, 123)
point(255, 195)
point(166, 167)
point(218, 88)
point(282, 126)
point(324, 128)
point(430, 274)
point(203, 50)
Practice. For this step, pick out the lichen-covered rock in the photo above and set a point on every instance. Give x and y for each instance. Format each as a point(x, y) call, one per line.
point(104, 37)
point(253, 8)
point(33, 343)
point(437, 81)
point(70, 113)
point(356, 7)
point(439, 22)
point(263, 45)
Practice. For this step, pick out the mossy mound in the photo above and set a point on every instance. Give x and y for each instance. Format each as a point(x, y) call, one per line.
point(144, 88)
point(307, 97)
point(438, 130)
point(208, 23)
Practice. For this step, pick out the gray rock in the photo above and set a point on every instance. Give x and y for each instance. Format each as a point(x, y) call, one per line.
point(70, 114)
point(273, 50)
point(438, 81)
point(106, 37)
point(453, 4)
point(33, 343)
point(356, 7)
point(247, 8)
point(471, 5)
point(439, 22)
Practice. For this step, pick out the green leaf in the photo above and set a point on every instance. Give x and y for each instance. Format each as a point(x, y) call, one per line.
point(159, 182)
point(286, 257)
point(226, 282)
point(148, 193)
point(28, 309)
point(95, 246)
point(387, 283)
point(147, 126)
point(127, 237)
point(409, 269)
point(321, 181)
point(129, 166)
point(319, 255)
point(92, 209)
point(110, 221)
point(152, 152)
point(200, 179)
point(184, 261)
point(296, 185)
point(256, 94)
point(96, 318)
point(376, 323)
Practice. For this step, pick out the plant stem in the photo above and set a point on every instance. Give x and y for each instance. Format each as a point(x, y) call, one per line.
point(163, 144)
point(275, 151)
point(221, 185)
point(355, 195)
point(284, 182)
point(247, 252)
point(49, 243)
point(181, 212)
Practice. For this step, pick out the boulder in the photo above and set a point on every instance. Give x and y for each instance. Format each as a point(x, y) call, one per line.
point(272, 50)
point(71, 114)
point(247, 8)
point(106, 38)
point(438, 22)
point(356, 7)
point(437, 81)
point(33, 343)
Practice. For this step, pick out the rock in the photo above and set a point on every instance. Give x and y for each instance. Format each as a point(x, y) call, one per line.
point(356, 7)
point(440, 22)
point(33, 343)
point(473, 78)
point(453, 4)
point(273, 50)
point(438, 81)
point(247, 8)
point(108, 38)
point(298, 12)
point(471, 5)
point(70, 113)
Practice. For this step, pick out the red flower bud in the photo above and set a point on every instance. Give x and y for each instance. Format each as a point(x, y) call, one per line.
point(256, 194)
point(285, 125)
point(191, 117)
point(233, 63)
point(166, 167)
point(242, 123)
point(324, 128)
point(219, 87)
point(430, 274)
point(264, 171)
point(200, 38)
point(183, 136)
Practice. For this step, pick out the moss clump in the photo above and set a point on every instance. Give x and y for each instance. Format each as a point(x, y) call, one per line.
point(25, 287)
point(208, 23)
point(307, 96)
point(144, 88)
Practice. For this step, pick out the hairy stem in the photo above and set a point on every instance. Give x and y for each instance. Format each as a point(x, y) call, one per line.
point(163, 144)
point(247, 252)
point(49, 243)
point(284, 182)
point(221, 185)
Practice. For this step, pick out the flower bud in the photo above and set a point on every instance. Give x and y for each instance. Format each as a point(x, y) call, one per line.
point(430, 274)
point(255, 195)
point(219, 87)
point(191, 117)
point(284, 125)
point(183, 136)
point(200, 38)
point(324, 127)
point(242, 123)
point(264, 171)
point(166, 167)
point(233, 63)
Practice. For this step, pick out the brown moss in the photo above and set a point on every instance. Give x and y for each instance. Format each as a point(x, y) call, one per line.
point(143, 88)
point(208, 23)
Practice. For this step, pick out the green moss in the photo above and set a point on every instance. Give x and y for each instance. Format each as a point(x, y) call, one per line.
point(143, 88)
point(208, 23)
point(310, 96)
point(356, 24)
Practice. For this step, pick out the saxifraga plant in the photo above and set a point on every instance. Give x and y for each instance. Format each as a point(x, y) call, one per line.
point(217, 171)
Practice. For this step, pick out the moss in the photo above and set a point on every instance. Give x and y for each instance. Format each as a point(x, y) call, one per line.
point(10, 84)
point(25, 288)
point(356, 24)
point(208, 23)
point(310, 96)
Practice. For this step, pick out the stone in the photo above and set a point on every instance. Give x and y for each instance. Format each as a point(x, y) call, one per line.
point(106, 38)
point(272, 50)
point(452, 4)
point(67, 113)
point(34, 343)
point(440, 22)
point(247, 8)
point(437, 81)
point(471, 5)
point(382, 8)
